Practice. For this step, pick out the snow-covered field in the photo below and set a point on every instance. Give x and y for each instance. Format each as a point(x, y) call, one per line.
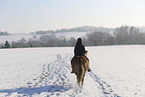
point(43, 72)
point(27, 36)
point(16, 37)
point(68, 35)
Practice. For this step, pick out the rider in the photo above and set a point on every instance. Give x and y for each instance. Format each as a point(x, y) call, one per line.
point(80, 50)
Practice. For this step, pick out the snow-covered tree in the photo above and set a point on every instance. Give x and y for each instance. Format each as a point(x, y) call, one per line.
point(7, 45)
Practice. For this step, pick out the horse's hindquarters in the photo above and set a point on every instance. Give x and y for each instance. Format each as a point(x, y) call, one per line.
point(80, 65)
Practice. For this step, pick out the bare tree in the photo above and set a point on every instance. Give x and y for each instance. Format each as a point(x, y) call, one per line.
point(98, 38)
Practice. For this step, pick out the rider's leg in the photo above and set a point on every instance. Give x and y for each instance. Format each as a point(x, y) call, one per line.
point(89, 70)
point(71, 64)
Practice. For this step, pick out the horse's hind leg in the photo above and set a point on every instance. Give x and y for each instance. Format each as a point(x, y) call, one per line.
point(83, 79)
point(78, 81)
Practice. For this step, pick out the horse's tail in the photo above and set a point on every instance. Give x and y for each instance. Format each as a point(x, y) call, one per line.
point(81, 71)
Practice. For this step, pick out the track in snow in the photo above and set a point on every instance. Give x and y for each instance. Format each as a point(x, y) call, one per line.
point(56, 80)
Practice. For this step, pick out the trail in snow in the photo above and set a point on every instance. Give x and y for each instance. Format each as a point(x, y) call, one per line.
point(56, 80)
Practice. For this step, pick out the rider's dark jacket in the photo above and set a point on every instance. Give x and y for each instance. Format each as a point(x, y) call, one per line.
point(79, 48)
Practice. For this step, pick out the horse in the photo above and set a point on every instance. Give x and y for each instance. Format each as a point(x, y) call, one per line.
point(80, 65)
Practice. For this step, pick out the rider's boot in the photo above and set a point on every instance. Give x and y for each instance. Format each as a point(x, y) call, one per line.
point(89, 70)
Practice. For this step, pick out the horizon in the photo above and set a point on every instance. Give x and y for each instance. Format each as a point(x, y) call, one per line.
point(34, 15)
point(71, 28)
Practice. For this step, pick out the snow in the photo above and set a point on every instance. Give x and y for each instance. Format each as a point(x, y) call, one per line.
point(16, 37)
point(27, 36)
point(68, 35)
point(40, 72)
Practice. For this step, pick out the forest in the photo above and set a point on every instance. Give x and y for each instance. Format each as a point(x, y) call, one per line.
point(124, 35)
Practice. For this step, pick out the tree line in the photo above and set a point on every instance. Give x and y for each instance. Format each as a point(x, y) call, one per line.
point(43, 41)
point(75, 29)
point(121, 36)
point(4, 33)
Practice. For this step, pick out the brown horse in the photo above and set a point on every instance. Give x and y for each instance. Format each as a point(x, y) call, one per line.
point(80, 65)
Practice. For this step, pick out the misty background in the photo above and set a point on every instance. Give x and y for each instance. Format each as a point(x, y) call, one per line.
point(91, 36)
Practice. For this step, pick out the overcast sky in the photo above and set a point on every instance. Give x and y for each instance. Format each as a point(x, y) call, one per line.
point(34, 15)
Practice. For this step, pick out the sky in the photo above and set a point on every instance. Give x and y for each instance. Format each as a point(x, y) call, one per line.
point(24, 16)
